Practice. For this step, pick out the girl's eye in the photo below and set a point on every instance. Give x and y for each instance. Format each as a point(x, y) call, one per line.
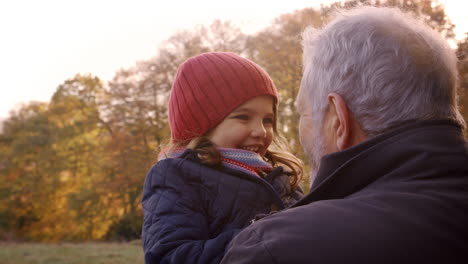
point(268, 120)
point(242, 117)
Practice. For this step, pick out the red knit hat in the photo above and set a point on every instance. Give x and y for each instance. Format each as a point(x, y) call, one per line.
point(208, 87)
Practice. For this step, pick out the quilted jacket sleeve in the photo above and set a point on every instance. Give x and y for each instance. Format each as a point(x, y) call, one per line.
point(281, 183)
point(175, 228)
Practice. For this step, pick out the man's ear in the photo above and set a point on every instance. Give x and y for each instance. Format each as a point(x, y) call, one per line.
point(341, 121)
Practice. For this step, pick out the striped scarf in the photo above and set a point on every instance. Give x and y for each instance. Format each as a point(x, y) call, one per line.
point(238, 159)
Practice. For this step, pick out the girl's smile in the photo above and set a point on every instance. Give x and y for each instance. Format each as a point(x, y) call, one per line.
point(249, 126)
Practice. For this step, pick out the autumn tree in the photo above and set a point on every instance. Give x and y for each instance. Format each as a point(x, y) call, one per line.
point(54, 167)
point(26, 160)
point(80, 138)
point(462, 54)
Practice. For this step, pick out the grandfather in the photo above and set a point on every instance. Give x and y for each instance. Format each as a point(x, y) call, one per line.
point(379, 120)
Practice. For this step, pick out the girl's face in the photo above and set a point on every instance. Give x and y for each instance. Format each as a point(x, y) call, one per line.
point(249, 126)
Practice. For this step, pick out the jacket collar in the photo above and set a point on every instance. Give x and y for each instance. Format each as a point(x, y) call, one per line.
point(345, 172)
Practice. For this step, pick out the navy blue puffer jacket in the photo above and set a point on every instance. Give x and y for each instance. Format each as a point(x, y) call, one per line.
point(192, 211)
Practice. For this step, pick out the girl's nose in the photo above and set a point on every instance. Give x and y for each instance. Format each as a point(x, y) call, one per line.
point(258, 131)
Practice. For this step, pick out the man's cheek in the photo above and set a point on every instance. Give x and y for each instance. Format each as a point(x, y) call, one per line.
point(305, 134)
point(302, 132)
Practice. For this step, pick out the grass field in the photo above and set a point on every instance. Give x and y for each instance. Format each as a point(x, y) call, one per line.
point(68, 253)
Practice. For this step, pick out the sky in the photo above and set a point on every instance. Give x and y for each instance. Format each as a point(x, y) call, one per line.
point(43, 43)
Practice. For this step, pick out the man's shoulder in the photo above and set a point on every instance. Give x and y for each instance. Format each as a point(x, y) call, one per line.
point(319, 218)
point(306, 234)
point(362, 228)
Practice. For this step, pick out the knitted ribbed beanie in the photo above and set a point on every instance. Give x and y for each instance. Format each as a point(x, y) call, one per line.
point(208, 87)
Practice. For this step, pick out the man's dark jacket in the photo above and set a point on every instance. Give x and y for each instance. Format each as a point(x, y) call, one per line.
point(401, 197)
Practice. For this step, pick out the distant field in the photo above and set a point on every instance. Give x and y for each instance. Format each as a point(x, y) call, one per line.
point(68, 253)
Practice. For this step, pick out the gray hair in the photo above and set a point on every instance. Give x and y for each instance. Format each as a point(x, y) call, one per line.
point(389, 67)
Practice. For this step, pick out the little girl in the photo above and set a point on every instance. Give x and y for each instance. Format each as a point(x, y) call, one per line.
point(221, 168)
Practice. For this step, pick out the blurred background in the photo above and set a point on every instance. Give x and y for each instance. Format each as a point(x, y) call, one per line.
point(85, 86)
